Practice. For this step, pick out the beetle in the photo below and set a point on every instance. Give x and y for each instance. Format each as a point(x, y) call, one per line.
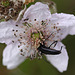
point(48, 50)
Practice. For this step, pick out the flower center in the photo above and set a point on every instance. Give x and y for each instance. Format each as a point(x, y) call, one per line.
point(35, 36)
point(32, 34)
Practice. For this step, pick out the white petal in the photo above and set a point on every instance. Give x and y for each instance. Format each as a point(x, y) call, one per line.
point(65, 22)
point(39, 11)
point(72, 31)
point(6, 33)
point(12, 56)
point(59, 61)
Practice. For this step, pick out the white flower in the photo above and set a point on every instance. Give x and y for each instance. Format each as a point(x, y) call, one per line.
point(23, 38)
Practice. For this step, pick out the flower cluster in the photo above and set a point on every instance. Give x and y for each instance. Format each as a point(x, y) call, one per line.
point(24, 37)
point(10, 10)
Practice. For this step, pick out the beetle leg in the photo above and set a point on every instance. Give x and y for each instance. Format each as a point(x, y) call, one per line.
point(43, 43)
point(55, 43)
point(61, 48)
point(45, 59)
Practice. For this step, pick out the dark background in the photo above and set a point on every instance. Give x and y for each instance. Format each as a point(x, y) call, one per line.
point(40, 67)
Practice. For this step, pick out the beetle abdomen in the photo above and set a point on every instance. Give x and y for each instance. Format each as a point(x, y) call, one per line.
point(47, 50)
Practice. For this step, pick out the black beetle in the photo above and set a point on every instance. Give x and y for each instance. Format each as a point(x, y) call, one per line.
point(48, 50)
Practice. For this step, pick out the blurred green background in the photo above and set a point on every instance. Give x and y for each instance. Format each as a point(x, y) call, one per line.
point(40, 67)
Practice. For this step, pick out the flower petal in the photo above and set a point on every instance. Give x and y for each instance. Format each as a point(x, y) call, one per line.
point(65, 22)
point(59, 61)
point(39, 11)
point(6, 31)
point(12, 55)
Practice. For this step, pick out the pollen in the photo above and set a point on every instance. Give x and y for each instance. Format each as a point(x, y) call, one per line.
point(33, 34)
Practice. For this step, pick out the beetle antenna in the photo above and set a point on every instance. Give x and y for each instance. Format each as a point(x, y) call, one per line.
point(48, 36)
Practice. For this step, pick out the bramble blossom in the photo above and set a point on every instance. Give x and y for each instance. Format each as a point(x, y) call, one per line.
point(24, 37)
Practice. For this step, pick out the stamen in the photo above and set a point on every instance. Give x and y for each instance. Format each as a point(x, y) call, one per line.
point(34, 19)
point(21, 50)
point(18, 46)
point(22, 54)
point(12, 41)
point(17, 25)
point(26, 19)
point(16, 30)
point(24, 32)
point(13, 30)
point(15, 35)
point(21, 37)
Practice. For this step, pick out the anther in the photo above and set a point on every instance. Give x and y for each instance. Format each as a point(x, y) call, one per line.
point(18, 46)
point(22, 54)
point(21, 37)
point(16, 25)
point(13, 41)
point(15, 35)
point(24, 31)
point(13, 30)
point(16, 30)
point(57, 23)
point(21, 50)
point(26, 19)
point(34, 19)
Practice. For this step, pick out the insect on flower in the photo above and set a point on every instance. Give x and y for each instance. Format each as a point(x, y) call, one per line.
point(37, 32)
point(48, 50)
